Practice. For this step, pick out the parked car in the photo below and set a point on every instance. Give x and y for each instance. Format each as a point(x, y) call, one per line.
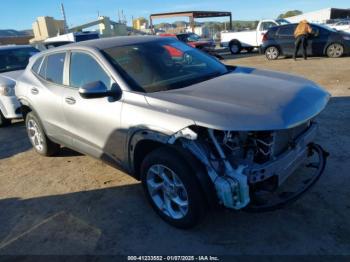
point(196, 41)
point(196, 132)
point(323, 41)
point(13, 59)
point(342, 26)
point(248, 40)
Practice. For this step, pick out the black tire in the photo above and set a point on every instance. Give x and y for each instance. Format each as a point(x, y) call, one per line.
point(335, 50)
point(272, 53)
point(4, 121)
point(48, 148)
point(196, 201)
point(235, 47)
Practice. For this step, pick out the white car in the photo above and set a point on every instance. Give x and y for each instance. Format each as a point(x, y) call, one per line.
point(248, 40)
point(342, 26)
point(13, 59)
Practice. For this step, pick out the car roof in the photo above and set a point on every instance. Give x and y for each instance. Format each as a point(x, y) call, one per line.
point(12, 47)
point(105, 43)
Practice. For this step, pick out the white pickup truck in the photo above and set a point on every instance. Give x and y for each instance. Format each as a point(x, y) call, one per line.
point(248, 40)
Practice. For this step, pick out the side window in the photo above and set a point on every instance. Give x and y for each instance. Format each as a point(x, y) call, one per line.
point(52, 68)
point(84, 69)
point(36, 65)
point(286, 31)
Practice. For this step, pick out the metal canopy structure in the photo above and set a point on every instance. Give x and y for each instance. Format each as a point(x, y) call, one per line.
point(192, 15)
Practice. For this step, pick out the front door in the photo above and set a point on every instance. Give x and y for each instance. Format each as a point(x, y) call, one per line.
point(95, 122)
point(317, 41)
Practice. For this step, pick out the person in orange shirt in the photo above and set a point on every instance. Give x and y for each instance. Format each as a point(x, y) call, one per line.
point(301, 34)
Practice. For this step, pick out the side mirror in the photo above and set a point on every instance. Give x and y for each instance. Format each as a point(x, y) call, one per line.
point(98, 89)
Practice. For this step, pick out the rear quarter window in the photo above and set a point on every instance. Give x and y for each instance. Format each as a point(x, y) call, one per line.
point(52, 68)
point(36, 65)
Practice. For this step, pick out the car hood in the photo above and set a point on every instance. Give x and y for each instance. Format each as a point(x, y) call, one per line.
point(9, 78)
point(245, 100)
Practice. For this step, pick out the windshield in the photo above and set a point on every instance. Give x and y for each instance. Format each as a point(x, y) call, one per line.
point(15, 59)
point(163, 65)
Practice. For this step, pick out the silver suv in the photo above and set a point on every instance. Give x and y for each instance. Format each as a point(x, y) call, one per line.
point(197, 133)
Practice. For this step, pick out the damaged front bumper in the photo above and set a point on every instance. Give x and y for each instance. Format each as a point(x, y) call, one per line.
point(284, 165)
point(244, 186)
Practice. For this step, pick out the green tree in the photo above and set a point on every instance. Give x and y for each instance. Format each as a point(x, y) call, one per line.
point(290, 14)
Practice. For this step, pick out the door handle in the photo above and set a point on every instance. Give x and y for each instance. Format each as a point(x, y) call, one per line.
point(34, 91)
point(70, 100)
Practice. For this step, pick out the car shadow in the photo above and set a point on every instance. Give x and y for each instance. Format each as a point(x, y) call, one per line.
point(13, 140)
point(67, 152)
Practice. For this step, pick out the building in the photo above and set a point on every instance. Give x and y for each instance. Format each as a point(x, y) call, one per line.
point(45, 27)
point(140, 23)
point(321, 16)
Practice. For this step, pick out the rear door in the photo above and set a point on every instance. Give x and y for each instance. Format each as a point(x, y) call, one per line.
point(46, 93)
point(285, 39)
point(93, 122)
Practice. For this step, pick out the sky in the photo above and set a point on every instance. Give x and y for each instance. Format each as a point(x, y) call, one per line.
point(20, 14)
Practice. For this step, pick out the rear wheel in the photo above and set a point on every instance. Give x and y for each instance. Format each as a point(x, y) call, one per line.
point(41, 143)
point(272, 53)
point(235, 47)
point(172, 189)
point(335, 50)
point(4, 121)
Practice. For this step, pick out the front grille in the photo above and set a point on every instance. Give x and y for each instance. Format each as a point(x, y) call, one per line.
point(283, 138)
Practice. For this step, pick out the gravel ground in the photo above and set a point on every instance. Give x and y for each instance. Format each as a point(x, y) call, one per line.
point(73, 204)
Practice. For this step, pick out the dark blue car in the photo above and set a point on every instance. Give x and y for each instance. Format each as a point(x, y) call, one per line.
point(279, 41)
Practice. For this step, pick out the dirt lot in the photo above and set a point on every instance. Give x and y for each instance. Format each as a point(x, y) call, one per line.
point(73, 204)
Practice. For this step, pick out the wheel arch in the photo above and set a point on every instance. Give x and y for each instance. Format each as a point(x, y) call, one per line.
point(144, 142)
point(234, 41)
point(26, 108)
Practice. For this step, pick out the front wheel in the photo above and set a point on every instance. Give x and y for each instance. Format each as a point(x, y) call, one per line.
point(172, 189)
point(335, 50)
point(41, 143)
point(272, 53)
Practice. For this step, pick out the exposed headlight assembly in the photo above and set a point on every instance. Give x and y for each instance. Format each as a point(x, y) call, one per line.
point(6, 91)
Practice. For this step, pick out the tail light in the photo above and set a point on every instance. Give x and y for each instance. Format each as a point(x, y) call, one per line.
point(265, 37)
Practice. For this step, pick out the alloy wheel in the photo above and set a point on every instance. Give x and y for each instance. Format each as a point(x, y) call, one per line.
point(167, 191)
point(272, 53)
point(35, 135)
point(335, 50)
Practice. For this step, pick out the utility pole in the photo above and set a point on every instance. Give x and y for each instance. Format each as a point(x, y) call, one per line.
point(65, 26)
